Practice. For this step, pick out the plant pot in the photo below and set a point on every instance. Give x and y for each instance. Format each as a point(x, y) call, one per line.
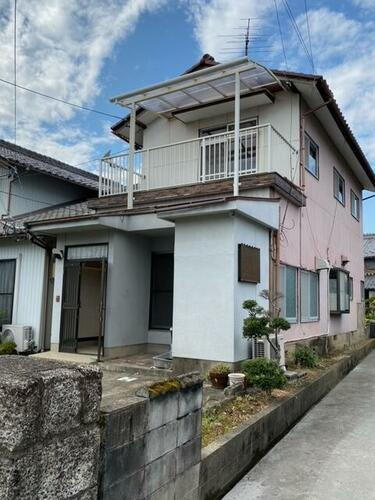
point(219, 380)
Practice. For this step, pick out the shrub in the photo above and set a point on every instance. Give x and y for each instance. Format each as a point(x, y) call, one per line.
point(7, 348)
point(305, 356)
point(264, 373)
point(220, 368)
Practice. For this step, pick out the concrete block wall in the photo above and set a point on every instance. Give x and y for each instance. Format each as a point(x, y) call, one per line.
point(49, 429)
point(151, 448)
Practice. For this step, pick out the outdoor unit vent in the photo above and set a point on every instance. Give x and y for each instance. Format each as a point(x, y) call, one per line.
point(261, 348)
point(22, 336)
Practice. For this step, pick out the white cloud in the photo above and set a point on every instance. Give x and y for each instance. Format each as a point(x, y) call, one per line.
point(366, 4)
point(214, 18)
point(343, 49)
point(62, 47)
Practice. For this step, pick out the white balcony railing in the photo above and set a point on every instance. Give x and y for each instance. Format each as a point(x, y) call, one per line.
point(262, 149)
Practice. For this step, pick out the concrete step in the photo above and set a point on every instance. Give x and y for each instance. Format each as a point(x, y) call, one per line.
point(66, 357)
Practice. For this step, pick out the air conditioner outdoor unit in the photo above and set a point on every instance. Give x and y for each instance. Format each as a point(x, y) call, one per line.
point(261, 348)
point(23, 337)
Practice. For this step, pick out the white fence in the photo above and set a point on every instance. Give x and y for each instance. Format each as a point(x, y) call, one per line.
point(262, 149)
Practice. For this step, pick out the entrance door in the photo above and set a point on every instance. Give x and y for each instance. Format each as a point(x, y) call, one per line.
point(83, 306)
point(70, 307)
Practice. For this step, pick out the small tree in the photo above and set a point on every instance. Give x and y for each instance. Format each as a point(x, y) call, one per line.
point(261, 323)
point(370, 310)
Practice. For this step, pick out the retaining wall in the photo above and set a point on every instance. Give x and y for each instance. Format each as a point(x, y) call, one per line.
point(226, 460)
point(151, 448)
point(49, 431)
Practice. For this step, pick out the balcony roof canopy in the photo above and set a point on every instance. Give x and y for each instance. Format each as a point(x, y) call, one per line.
point(199, 88)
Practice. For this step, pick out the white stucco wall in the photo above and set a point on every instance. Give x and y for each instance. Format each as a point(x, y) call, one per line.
point(31, 265)
point(207, 313)
point(257, 236)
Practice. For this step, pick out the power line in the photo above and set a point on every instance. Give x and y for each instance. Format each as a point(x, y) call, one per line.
point(309, 35)
point(299, 35)
point(41, 94)
point(100, 158)
point(281, 34)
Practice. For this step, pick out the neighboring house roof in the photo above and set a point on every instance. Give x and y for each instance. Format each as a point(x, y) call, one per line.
point(370, 281)
point(16, 156)
point(369, 245)
point(15, 225)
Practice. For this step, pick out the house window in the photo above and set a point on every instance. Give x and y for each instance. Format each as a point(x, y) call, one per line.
point(339, 291)
point(338, 187)
point(351, 288)
point(311, 156)
point(309, 296)
point(362, 291)
point(7, 279)
point(354, 205)
point(161, 300)
point(288, 289)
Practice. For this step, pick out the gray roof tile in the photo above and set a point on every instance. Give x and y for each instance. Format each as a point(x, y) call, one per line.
point(18, 156)
point(369, 245)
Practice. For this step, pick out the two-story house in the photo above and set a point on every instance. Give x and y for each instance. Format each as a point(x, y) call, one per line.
point(29, 183)
point(238, 179)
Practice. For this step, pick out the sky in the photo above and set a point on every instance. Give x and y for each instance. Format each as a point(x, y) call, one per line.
point(87, 51)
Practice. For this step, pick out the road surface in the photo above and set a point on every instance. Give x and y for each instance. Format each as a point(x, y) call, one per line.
point(329, 454)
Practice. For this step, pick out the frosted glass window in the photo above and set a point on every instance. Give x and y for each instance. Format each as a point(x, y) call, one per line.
point(87, 252)
point(309, 296)
point(288, 288)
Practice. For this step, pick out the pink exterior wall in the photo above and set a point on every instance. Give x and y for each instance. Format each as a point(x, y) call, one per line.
point(326, 229)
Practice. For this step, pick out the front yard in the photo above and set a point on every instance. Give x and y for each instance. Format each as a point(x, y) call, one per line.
point(231, 412)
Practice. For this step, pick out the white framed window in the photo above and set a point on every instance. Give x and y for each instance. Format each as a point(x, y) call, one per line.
point(338, 187)
point(354, 205)
point(339, 291)
point(309, 296)
point(311, 156)
point(288, 289)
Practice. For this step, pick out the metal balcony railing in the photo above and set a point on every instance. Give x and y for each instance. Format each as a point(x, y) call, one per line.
point(262, 149)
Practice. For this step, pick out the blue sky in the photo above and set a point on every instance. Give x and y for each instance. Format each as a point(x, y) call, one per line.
point(86, 51)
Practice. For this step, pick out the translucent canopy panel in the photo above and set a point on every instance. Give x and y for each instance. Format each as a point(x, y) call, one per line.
point(200, 87)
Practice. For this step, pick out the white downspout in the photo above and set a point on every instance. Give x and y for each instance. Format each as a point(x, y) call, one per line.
point(236, 135)
point(131, 156)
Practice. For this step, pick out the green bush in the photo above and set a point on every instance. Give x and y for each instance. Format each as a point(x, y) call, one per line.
point(305, 356)
point(220, 368)
point(264, 373)
point(8, 348)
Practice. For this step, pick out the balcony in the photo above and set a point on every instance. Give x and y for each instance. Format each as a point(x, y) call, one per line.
point(262, 149)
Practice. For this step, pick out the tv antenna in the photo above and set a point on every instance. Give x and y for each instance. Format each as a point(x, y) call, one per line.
point(249, 39)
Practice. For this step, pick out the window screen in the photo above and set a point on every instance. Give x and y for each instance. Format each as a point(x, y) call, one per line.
point(288, 289)
point(161, 304)
point(354, 205)
point(309, 296)
point(7, 278)
point(338, 187)
point(311, 156)
point(339, 291)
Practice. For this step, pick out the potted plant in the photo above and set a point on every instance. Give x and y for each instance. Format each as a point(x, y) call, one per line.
point(218, 375)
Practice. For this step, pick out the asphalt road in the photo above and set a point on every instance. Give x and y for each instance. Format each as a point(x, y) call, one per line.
point(329, 454)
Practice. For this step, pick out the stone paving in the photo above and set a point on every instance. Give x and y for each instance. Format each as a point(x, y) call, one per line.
point(329, 454)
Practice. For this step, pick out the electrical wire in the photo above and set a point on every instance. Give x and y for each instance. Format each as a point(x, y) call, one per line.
point(309, 36)
point(41, 94)
point(15, 69)
point(297, 30)
point(281, 34)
